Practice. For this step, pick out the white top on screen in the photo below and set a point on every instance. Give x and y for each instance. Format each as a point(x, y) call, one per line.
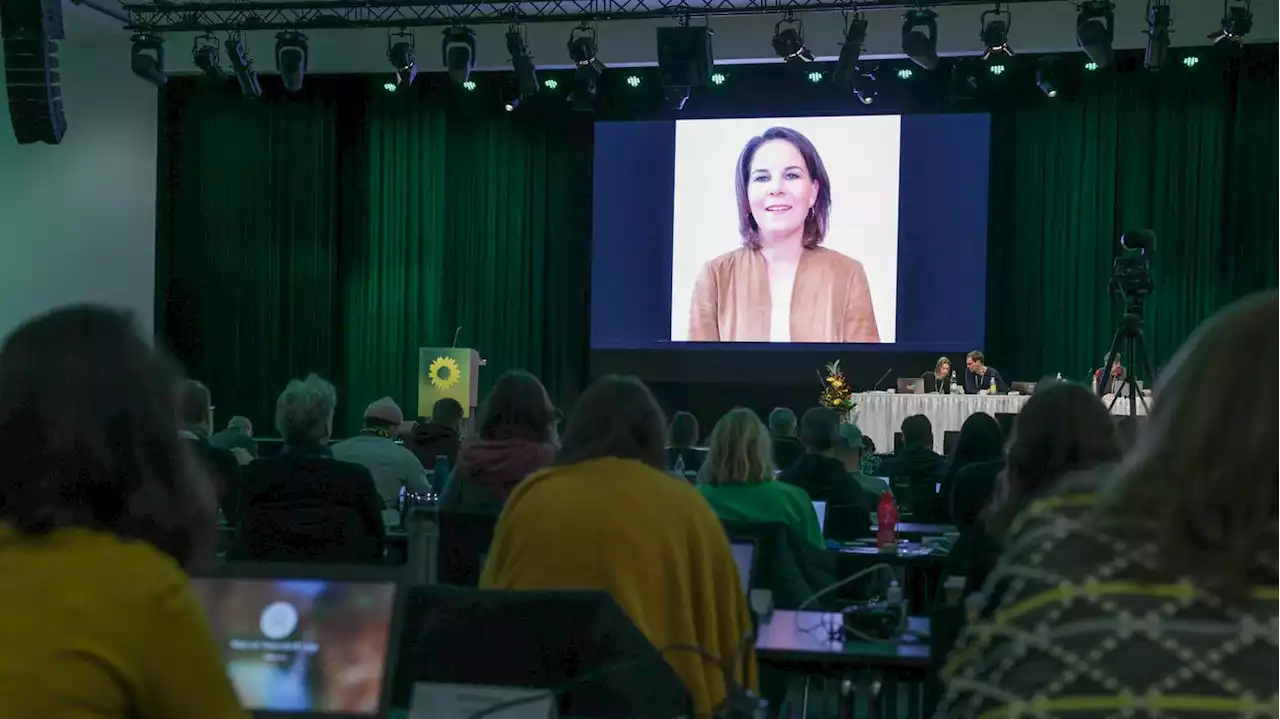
point(821, 509)
point(744, 555)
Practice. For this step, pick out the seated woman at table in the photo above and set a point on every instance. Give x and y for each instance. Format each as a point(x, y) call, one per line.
point(608, 516)
point(738, 482)
point(940, 379)
point(1159, 596)
point(980, 442)
point(103, 509)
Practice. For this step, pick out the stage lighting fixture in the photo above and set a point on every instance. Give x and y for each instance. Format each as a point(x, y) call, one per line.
point(291, 59)
point(1157, 33)
point(390, 86)
point(964, 82)
point(550, 83)
point(1190, 61)
point(997, 69)
point(864, 88)
point(685, 60)
point(718, 78)
point(205, 54)
point(905, 74)
point(469, 85)
point(1091, 66)
point(1237, 21)
point(400, 53)
point(1049, 76)
point(458, 51)
point(512, 105)
point(582, 50)
point(920, 38)
point(521, 61)
point(242, 66)
point(633, 80)
point(855, 37)
point(788, 41)
point(146, 58)
point(1095, 29)
point(995, 32)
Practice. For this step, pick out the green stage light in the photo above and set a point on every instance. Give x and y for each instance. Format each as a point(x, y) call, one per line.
point(996, 69)
point(815, 77)
point(390, 86)
point(633, 81)
point(468, 85)
point(1091, 66)
point(905, 74)
point(550, 83)
point(1191, 61)
point(718, 78)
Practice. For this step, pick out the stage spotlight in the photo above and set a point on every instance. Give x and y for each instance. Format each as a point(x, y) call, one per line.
point(1049, 76)
point(685, 60)
point(582, 50)
point(1190, 61)
point(1237, 21)
point(146, 58)
point(205, 55)
point(1157, 34)
point(905, 73)
point(1095, 29)
point(855, 37)
point(522, 61)
point(920, 38)
point(964, 80)
point(291, 59)
point(458, 50)
point(400, 53)
point(550, 83)
point(512, 105)
point(995, 32)
point(718, 78)
point(242, 66)
point(788, 41)
point(864, 87)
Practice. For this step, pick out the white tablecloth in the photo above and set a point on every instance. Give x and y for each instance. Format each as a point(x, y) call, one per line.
point(880, 414)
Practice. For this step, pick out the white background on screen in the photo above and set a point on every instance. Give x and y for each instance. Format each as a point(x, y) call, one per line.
point(862, 158)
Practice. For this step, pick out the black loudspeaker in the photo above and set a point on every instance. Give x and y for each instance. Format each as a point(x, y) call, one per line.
point(30, 29)
point(684, 56)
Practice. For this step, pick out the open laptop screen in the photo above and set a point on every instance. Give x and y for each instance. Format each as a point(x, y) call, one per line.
point(744, 555)
point(302, 645)
point(820, 508)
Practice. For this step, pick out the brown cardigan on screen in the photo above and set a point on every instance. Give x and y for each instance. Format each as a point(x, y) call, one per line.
point(830, 300)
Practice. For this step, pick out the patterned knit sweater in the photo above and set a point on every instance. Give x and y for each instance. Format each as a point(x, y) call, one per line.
point(1080, 623)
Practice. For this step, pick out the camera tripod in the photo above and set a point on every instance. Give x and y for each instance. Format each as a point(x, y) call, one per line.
point(1135, 348)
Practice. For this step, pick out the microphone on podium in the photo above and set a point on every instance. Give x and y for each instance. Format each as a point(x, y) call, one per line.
point(876, 386)
point(455, 336)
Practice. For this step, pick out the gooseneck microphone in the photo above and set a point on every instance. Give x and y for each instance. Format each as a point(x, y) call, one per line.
point(876, 386)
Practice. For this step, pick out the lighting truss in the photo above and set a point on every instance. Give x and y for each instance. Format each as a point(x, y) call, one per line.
point(303, 15)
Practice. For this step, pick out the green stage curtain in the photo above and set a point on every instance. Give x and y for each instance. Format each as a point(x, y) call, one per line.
point(341, 230)
point(1190, 155)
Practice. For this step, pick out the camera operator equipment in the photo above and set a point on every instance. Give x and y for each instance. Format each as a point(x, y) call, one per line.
point(1131, 279)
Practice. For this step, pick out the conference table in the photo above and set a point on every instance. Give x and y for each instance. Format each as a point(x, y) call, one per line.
point(879, 414)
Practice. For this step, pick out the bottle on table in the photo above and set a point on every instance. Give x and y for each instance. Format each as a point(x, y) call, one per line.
point(992, 388)
point(887, 523)
point(678, 467)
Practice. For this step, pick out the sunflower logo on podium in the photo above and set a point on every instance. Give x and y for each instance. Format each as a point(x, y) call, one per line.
point(444, 373)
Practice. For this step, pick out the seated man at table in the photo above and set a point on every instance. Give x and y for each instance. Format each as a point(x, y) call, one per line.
point(819, 473)
point(978, 377)
point(782, 427)
point(849, 451)
point(916, 467)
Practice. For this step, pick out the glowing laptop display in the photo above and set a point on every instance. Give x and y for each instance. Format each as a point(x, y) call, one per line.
point(744, 555)
point(302, 645)
point(820, 508)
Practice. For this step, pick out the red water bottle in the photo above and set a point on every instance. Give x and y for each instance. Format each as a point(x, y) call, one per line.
point(887, 521)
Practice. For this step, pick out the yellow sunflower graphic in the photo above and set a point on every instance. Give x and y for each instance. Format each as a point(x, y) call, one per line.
point(444, 373)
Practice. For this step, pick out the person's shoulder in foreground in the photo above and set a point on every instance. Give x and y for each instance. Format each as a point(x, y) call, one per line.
point(103, 627)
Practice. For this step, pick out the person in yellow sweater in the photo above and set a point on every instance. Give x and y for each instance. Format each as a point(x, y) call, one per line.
point(606, 516)
point(100, 511)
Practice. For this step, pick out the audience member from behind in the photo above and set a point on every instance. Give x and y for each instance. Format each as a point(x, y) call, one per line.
point(787, 450)
point(1162, 596)
point(823, 477)
point(738, 482)
point(972, 470)
point(517, 423)
point(375, 449)
point(102, 510)
point(195, 408)
point(237, 435)
point(441, 436)
point(609, 517)
point(302, 504)
point(681, 437)
point(916, 470)
point(849, 452)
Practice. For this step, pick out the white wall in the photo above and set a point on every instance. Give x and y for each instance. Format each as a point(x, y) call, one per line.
point(77, 220)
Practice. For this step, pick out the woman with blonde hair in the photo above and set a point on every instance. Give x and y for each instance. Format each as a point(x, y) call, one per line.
point(737, 479)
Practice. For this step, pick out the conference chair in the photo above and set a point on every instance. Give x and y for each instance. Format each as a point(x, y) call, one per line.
point(422, 553)
point(464, 545)
point(538, 639)
point(787, 565)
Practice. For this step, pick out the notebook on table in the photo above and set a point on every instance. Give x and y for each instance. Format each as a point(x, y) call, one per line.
point(304, 641)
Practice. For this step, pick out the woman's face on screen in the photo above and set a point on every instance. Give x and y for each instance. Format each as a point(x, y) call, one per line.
point(779, 188)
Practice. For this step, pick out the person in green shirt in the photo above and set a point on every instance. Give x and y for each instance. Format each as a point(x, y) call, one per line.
point(737, 479)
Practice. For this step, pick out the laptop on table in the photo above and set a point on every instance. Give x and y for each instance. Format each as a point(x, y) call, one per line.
point(744, 555)
point(305, 640)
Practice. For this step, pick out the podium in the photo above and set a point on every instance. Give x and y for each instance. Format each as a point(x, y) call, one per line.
point(452, 372)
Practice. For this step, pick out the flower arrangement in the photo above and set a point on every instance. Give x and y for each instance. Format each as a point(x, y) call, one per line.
point(836, 392)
